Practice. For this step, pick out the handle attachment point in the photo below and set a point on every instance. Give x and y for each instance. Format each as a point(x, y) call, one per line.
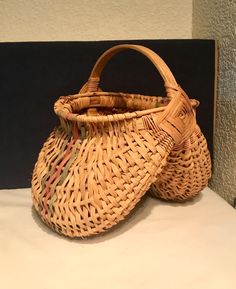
point(92, 84)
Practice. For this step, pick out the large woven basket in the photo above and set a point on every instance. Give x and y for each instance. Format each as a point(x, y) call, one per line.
point(107, 151)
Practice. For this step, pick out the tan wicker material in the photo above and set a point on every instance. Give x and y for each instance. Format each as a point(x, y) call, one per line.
point(188, 169)
point(107, 151)
point(187, 172)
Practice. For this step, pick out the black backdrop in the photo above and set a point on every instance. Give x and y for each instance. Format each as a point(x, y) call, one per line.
point(33, 75)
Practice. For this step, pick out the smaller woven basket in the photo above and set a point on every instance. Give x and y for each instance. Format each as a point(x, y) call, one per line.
point(188, 168)
point(187, 172)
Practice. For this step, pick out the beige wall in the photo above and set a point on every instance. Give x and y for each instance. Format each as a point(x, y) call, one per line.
point(39, 20)
point(216, 19)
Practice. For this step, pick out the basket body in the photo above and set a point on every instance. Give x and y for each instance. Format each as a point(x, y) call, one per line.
point(88, 178)
point(109, 149)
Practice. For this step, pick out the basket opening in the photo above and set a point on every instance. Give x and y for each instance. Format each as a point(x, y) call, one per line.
point(114, 104)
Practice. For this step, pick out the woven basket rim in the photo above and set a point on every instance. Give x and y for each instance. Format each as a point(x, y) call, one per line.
point(66, 114)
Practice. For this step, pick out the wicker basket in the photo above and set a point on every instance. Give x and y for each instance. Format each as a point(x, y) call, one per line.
point(107, 151)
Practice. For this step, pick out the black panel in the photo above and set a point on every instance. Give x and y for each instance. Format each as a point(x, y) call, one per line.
point(34, 75)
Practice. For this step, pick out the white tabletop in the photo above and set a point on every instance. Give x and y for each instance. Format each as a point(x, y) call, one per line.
point(161, 245)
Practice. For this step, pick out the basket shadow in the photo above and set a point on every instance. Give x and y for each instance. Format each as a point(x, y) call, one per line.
point(142, 210)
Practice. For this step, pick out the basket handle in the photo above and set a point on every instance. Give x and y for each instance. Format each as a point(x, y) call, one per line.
point(169, 80)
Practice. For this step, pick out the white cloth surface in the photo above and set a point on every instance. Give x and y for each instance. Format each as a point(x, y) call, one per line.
point(161, 245)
